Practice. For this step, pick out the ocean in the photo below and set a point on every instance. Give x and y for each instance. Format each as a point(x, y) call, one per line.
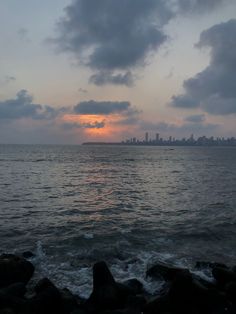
point(130, 206)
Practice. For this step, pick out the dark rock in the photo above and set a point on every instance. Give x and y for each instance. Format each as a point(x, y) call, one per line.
point(7, 311)
point(12, 302)
point(204, 283)
point(230, 290)
point(43, 284)
point(188, 295)
point(28, 254)
point(69, 301)
point(135, 285)
point(78, 311)
point(47, 299)
point(102, 275)
point(163, 271)
point(106, 294)
point(14, 269)
point(137, 302)
point(135, 305)
point(16, 289)
point(223, 276)
point(234, 269)
point(181, 287)
point(158, 305)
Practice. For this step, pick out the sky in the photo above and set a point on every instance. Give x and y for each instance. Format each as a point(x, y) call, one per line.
point(108, 70)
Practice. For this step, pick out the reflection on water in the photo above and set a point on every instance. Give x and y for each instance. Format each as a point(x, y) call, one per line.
point(181, 200)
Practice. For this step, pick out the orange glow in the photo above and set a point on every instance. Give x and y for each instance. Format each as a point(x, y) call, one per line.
point(111, 129)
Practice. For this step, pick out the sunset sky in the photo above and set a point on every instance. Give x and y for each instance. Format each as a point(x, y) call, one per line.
point(106, 70)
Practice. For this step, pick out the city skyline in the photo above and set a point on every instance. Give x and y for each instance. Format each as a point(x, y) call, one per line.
point(191, 140)
point(89, 72)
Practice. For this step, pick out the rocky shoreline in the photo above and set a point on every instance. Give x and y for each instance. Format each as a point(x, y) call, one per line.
point(183, 292)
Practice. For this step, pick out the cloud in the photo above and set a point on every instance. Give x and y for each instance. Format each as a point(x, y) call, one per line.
point(114, 38)
point(198, 6)
point(198, 118)
point(179, 130)
point(106, 77)
point(112, 35)
point(88, 125)
point(92, 107)
point(7, 80)
point(23, 107)
point(23, 34)
point(82, 90)
point(214, 89)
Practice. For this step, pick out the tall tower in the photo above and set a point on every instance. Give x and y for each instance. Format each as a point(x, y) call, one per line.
point(146, 137)
point(157, 137)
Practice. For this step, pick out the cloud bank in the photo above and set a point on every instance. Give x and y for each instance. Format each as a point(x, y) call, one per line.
point(114, 38)
point(214, 89)
point(92, 107)
point(23, 107)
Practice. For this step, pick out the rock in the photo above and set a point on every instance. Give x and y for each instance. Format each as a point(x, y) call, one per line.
point(202, 264)
point(47, 299)
point(106, 294)
point(158, 305)
point(69, 301)
point(234, 269)
point(181, 287)
point(12, 302)
point(135, 285)
point(102, 275)
point(78, 311)
point(14, 269)
point(28, 254)
point(223, 276)
point(7, 311)
point(43, 284)
point(188, 295)
point(16, 289)
point(230, 290)
point(135, 305)
point(163, 271)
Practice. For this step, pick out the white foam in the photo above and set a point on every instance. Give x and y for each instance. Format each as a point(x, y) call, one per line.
point(75, 273)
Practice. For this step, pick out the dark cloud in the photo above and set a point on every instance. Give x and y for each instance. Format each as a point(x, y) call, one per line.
point(198, 118)
point(23, 107)
point(200, 6)
point(82, 90)
point(214, 89)
point(107, 77)
point(113, 37)
point(88, 125)
point(102, 107)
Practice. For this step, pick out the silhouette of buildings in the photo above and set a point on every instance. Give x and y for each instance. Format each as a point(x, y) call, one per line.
point(172, 141)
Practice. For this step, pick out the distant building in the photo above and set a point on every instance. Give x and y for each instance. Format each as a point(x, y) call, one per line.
point(157, 137)
point(146, 137)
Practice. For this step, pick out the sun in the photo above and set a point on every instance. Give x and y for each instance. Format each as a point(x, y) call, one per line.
point(98, 127)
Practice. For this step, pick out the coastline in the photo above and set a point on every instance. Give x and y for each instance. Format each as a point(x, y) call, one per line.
point(183, 291)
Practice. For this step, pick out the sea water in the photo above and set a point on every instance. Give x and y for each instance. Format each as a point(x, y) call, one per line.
point(128, 205)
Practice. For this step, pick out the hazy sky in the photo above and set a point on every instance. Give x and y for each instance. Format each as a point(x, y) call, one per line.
point(107, 70)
